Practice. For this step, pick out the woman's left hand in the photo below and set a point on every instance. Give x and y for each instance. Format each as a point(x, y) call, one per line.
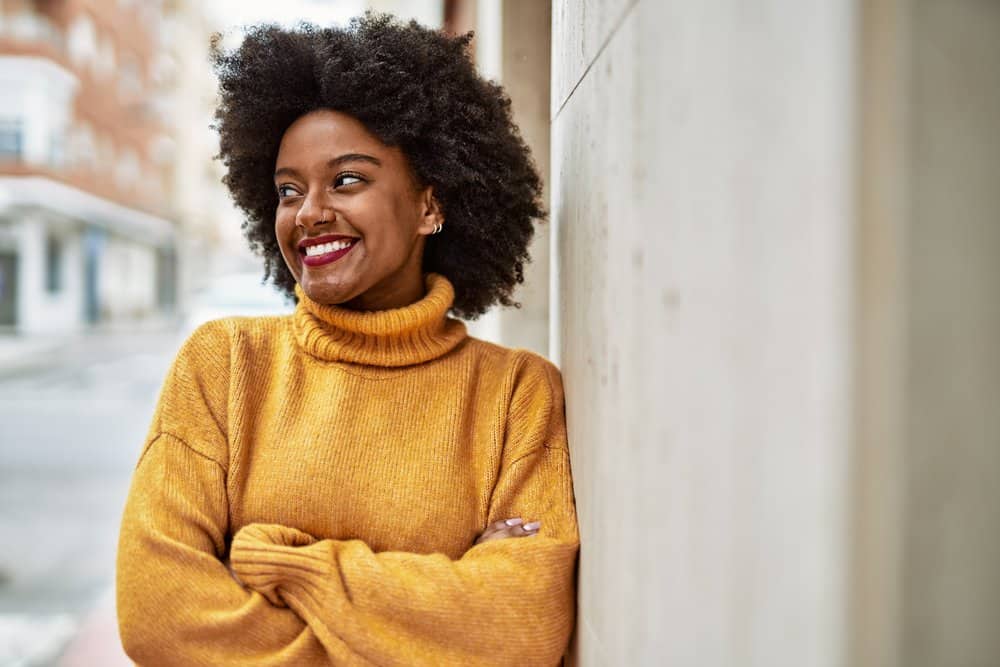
point(514, 527)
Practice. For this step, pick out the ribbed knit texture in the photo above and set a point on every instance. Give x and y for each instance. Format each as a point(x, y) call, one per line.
point(345, 463)
point(398, 337)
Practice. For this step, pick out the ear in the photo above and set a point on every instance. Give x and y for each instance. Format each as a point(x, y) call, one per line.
point(431, 215)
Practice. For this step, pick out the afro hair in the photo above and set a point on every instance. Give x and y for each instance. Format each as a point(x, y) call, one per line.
point(414, 88)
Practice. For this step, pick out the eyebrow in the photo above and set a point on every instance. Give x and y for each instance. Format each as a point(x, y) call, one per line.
point(335, 162)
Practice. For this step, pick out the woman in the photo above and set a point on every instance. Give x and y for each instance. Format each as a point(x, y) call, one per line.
point(359, 482)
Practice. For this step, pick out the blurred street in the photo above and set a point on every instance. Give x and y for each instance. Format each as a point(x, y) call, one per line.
point(74, 418)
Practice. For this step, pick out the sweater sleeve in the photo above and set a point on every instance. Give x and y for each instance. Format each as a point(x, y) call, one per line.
point(504, 602)
point(177, 602)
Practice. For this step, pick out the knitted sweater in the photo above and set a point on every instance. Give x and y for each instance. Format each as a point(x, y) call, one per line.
point(345, 462)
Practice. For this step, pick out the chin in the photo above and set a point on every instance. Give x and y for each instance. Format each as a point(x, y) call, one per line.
point(328, 293)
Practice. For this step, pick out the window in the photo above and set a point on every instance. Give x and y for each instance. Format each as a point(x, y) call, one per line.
point(106, 61)
point(53, 264)
point(57, 149)
point(105, 150)
point(82, 40)
point(127, 169)
point(84, 147)
point(11, 139)
point(129, 84)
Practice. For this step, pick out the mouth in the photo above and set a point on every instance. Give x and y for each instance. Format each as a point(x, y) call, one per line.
point(325, 249)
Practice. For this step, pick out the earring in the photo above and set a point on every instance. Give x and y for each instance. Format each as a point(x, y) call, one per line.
point(437, 228)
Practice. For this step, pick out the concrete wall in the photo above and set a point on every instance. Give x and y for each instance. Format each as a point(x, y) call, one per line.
point(927, 464)
point(776, 305)
point(702, 197)
point(951, 571)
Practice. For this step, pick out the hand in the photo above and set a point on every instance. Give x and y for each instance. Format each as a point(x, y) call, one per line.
point(509, 528)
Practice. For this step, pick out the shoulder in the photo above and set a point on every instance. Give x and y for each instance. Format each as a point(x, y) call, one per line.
point(529, 383)
point(227, 329)
point(194, 400)
point(514, 360)
point(209, 337)
point(534, 405)
point(231, 336)
point(536, 383)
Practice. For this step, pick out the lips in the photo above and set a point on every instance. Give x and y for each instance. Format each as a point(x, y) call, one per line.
point(325, 249)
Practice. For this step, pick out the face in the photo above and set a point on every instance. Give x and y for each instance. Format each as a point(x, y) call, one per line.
point(351, 220)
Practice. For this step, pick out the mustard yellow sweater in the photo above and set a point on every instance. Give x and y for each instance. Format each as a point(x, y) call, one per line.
point(345, 462)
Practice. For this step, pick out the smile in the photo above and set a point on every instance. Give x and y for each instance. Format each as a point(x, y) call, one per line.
point(324, 253)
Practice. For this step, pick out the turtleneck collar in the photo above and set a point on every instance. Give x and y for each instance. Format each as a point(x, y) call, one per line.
point(403, 336)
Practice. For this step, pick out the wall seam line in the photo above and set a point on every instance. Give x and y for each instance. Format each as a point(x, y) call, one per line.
point(604, 45)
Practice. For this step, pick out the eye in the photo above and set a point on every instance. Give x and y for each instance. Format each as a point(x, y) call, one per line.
point(286, 191)
point(347, 179)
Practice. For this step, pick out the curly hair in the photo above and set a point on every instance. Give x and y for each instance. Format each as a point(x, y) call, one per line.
point(414, 88)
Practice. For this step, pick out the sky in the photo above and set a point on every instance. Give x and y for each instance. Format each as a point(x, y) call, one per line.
point(234, 13)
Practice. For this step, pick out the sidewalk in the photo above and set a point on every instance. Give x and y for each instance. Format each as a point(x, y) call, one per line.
point(21, 353)
point(96, 642)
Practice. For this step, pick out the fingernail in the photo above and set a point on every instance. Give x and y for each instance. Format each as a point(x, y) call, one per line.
point(534, 525)
point(514, 522)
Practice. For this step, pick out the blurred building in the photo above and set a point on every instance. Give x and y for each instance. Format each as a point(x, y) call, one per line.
point(209, 237)
point(85, 234)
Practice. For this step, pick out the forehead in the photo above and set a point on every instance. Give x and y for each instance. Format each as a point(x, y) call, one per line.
point(325, 133)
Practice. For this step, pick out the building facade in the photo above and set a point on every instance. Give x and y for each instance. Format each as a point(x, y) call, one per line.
point(85, 233)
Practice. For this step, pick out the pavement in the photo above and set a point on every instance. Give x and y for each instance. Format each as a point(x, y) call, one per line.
point(96, 642)
point(26, 353)
point(21, 354)
point(64, 641)
point(73, 413)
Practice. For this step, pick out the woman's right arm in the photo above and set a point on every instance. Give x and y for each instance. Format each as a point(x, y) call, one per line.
point(177, 603)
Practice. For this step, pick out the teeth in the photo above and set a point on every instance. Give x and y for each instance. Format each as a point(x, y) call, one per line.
point(322, 249)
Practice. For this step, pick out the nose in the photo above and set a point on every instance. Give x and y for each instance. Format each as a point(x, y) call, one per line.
point(315, 210)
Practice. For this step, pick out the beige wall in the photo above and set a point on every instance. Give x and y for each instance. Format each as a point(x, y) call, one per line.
point(927, 590)
point(951, 572)
point(702, 191)
point(776, 305)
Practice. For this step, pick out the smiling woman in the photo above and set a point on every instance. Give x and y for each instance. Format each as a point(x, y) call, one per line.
point(360, 482)
point(412, 97)
point(351, 220)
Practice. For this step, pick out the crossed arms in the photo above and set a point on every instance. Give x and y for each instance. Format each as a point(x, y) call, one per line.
point(308, 601)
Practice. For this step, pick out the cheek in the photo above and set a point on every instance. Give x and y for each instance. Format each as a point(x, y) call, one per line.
point(284, 225)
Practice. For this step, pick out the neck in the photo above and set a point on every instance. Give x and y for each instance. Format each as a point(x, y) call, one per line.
point(379, 297)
